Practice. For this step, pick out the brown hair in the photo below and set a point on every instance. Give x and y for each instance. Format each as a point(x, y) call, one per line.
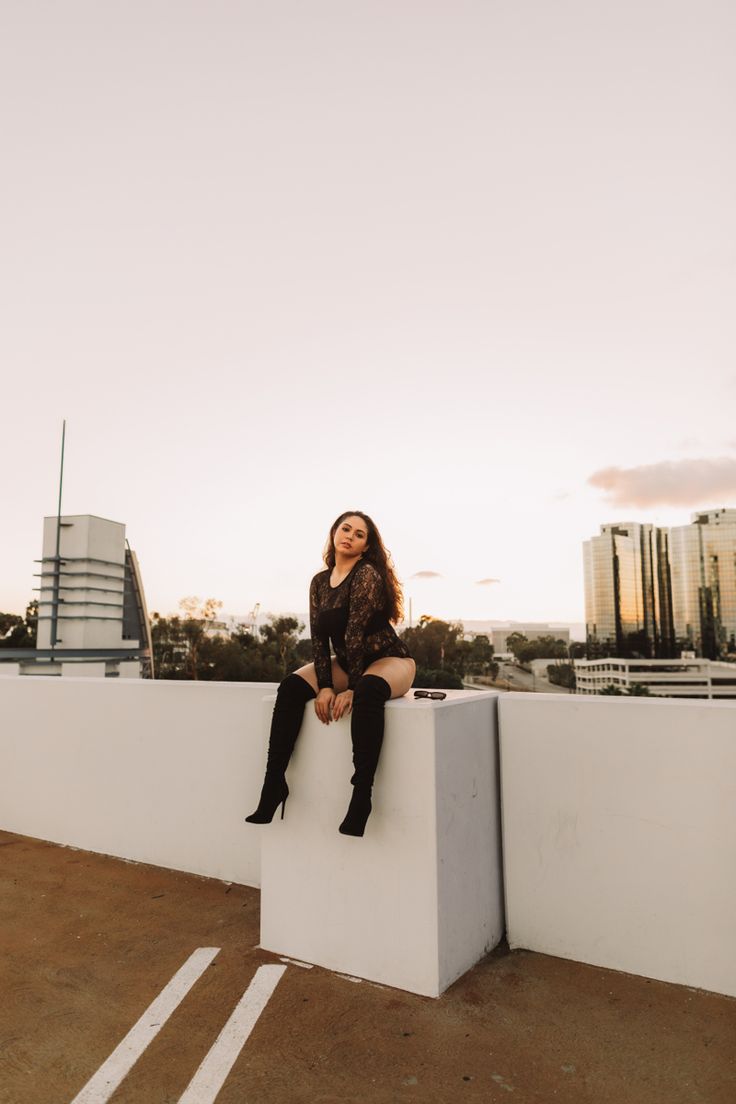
point(375, 554)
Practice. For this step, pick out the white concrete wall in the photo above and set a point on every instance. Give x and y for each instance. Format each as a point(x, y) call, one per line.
point(159, 772)
point(417, 900)
point(165, 772)
point(471, 918)
point(70, 669)
point(619, 815)
point(619, 828)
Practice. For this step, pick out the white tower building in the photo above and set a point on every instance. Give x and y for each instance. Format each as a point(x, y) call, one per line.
point(92, 608)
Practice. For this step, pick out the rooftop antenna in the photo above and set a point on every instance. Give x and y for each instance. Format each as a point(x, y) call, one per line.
point(57, 557)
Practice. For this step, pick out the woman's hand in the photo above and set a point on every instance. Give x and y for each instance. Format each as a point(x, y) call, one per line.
point(323, 703)
point(343, 703)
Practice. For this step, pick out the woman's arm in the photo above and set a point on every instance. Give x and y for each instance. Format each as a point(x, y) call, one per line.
point(366, 597)
point(320, 644)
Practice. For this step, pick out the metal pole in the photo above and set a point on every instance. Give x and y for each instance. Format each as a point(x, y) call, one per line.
point(57, 558)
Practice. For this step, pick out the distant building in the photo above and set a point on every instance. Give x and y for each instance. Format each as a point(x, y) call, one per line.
point(703, 559)
point(628, 593)
point(499, 637)
point(92, 616)
point(687, 677)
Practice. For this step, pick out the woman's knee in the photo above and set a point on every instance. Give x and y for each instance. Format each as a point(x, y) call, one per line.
point(308, 674)
point(371, 690)
point(398, 672)
point(296, 687)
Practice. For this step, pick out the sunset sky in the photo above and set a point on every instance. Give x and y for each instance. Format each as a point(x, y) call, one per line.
point(467, 266)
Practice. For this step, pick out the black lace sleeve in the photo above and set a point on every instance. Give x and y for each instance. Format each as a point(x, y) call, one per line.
point(320, 641)
point(366, 597)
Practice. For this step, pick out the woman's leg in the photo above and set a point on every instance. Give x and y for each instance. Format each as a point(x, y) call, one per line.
point(386, 678)
point(288, 712)
point(293, 694)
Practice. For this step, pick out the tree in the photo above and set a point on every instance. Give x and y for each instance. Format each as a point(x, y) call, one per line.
point(561, 674)
point(437, 645)
point(545, 647)
point(179, 642)
point(17, 631)
point(515, 641)
point(479, 656)
point(169, 647)
point(281, 640)
point(187, 648)
point(8, 621)
point(636, 690)
point(199, 618)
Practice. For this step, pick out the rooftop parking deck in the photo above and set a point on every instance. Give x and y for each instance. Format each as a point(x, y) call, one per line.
point(90, 941)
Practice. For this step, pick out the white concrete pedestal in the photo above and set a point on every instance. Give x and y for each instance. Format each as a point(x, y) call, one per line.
point(418, 899)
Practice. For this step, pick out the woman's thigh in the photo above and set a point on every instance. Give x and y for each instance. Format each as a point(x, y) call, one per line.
point(398, 671)
point(339, 678)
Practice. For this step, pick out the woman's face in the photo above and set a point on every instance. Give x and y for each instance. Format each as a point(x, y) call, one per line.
point(351, 536)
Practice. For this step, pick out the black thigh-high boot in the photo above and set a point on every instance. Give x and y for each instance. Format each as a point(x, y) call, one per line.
point(293, 694)
point(366, 730)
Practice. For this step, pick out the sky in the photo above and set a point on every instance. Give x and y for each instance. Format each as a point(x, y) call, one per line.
point(469, 267)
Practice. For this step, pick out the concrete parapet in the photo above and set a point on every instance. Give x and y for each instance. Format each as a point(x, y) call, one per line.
point(619, 827)
point(155, 771)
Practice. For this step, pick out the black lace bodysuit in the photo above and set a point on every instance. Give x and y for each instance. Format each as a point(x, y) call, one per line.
point(353, 614)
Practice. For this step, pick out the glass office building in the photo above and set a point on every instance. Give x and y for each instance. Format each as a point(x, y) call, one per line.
point(703, 563)
point(653, 593)
point(628, 595)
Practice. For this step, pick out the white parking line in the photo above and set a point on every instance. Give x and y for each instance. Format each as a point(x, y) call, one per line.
point(103, 1084)
point(220, 1058)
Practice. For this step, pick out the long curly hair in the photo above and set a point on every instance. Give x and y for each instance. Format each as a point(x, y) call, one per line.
point(377, 554)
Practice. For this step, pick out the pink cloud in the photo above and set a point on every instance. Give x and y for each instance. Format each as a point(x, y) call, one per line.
point(487, 582)
point(427, 575)
point(669, 483)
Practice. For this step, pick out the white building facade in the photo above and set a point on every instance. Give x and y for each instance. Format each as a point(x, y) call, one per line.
point(688, 677)
point(92, 615)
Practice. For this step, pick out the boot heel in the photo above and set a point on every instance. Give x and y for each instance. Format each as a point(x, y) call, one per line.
point(358, 812)
point(273, 794)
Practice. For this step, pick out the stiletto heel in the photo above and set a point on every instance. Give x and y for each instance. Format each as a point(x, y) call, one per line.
point(283, 806)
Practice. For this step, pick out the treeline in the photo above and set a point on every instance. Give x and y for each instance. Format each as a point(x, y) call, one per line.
point(192, 647)
point(544, 647)
point(443, 658)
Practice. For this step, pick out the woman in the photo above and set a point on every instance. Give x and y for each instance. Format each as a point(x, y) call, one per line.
point(353, 601)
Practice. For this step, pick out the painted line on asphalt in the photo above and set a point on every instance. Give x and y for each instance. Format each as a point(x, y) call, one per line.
point(103, 1084)
point(220, 1058)
point(296, 962)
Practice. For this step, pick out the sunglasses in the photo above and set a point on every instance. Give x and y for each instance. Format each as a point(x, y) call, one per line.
point(437, 694)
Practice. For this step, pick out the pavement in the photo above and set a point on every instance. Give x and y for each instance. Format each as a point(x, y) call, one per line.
point(89, 942)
